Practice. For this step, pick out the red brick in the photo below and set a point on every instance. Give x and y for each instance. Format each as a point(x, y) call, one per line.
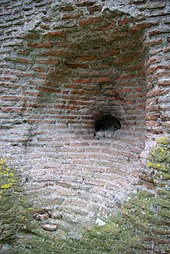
point(76, 65)
point(83, 81)
point(154, 76)
point(43, 76)
point(94, 8)
point(40, 45)
point(157, 41)
point(84, 3)
point(78, 91)
point(155, 68)
point(155, 92)
point(44, 26)
point(147, 185)
point(125, 90)
point(102, 80)
point(38, 69)
point(136, 151)
point(121, 60)
point(128, 102)
point(10, 97)
point(27, 74)
point(57, 53)
point(95, 182)
point(56, 34)
point(111, 52)
point(164, 82)
point(89, 21)
point(49, 90)
point(22, 60)
point(47, 61)
point(9, 78)
point(166, 49)
point(12, 109)
point(135, 173)
point(155, 33)
point(142, 26)
point(67, 8)
point(153, 60)
point(130, 76)
point(152, 123)
point(125, 21)
point(35, 94)
point(152, 117)
point(156, 131)
point(155, 51)
point(132, 96)
point(73, 86)
point(32, 82)
point(86, 58)
point(106, 27)
point(166, 124)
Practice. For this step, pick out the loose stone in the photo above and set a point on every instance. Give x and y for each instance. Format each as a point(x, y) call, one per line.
point(50, 227)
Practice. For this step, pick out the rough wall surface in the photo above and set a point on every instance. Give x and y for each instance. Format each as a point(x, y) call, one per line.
point(63, 64)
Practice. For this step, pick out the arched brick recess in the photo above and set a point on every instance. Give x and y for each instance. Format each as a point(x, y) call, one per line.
point(72, 65)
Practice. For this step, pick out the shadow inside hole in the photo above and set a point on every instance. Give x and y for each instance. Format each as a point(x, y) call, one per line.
point(107, 122)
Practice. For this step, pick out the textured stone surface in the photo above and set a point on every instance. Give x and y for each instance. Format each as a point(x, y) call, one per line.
point(62, 65)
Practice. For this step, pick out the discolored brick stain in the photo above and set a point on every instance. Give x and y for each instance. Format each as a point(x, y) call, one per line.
point(63, 65)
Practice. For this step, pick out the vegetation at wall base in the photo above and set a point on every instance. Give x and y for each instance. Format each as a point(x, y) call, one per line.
point(141, 227)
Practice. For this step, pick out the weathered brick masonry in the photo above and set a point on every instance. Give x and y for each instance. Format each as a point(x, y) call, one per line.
point(63, 65)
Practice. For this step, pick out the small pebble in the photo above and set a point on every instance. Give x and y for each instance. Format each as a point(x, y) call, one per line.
point(43, 215)
point(50, 227)
point(100, 222)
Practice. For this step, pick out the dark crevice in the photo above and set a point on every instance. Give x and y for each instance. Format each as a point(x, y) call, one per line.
point(107, 122)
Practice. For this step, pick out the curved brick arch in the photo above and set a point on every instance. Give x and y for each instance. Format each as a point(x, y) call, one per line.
point(72, 62)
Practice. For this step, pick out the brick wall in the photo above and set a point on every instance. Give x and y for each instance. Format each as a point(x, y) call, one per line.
point(65, 64)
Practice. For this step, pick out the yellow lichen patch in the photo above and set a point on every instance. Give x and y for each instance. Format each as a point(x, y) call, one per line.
point(159, 154)
point(6, 186)
point(165, 140)
point(150, 164)
point(2, 161)
point(7, 175)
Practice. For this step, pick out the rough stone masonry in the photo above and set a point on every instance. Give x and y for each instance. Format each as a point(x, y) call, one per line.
point(64, 65)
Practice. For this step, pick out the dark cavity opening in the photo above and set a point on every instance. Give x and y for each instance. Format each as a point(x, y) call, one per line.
point(107, 122)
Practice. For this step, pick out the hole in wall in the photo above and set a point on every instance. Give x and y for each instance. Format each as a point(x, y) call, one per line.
point(107, 122)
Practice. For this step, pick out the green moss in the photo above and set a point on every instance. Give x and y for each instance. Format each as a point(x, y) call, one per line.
point(166, 193)
point(160, 154)
point(164, 140)
point(12, 216)
point(144, 220)
point(124, 233)
point(166, 176)
point(168, 159)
